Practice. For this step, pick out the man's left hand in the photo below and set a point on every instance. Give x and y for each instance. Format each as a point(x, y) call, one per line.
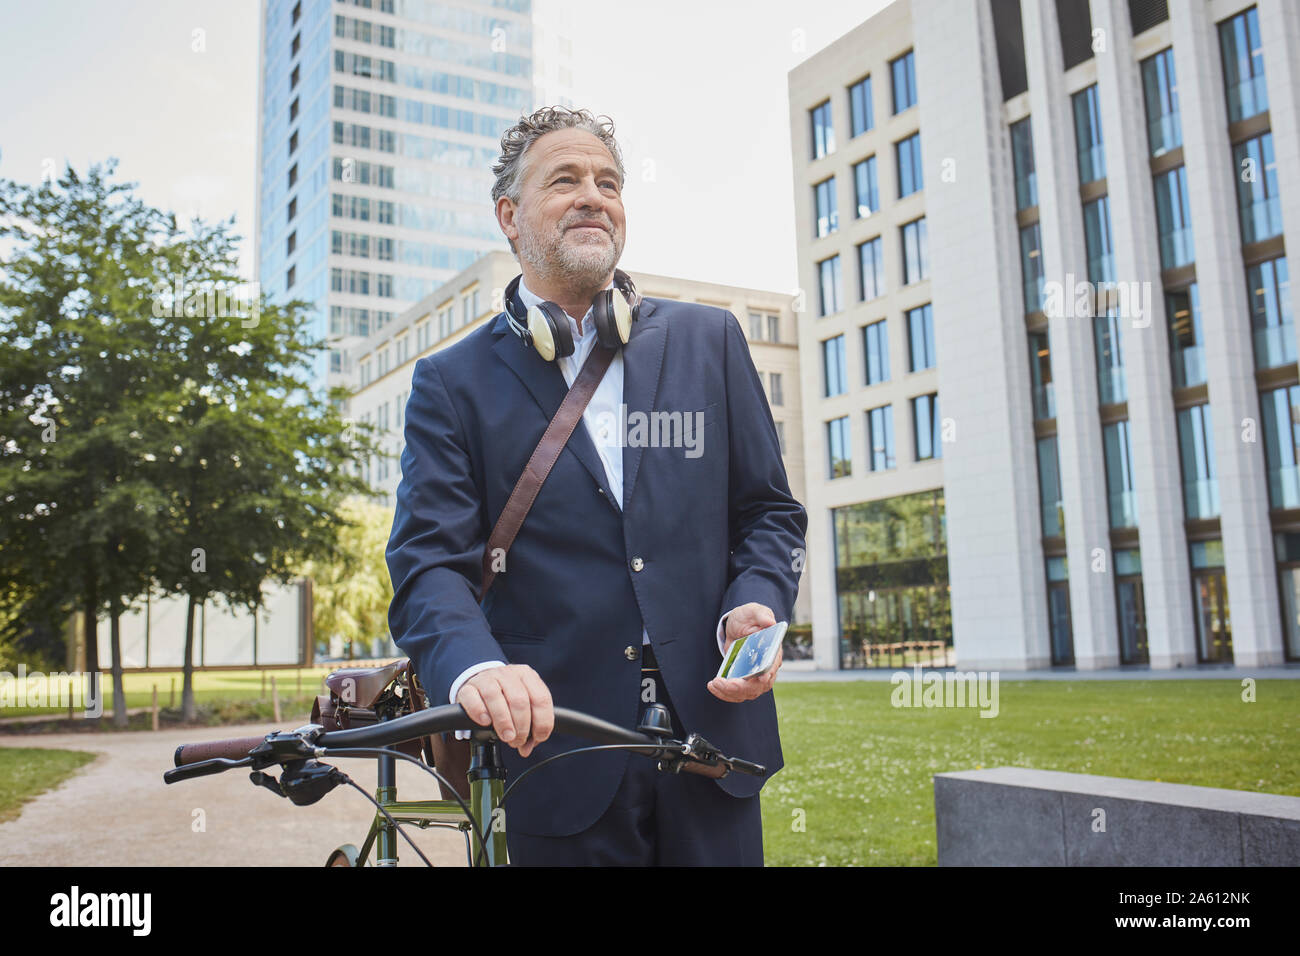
point(744, 620)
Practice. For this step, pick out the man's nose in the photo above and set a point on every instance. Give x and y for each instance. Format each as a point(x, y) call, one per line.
point(589, 196)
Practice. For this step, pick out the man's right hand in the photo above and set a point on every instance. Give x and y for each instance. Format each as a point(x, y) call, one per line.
point(514, 700)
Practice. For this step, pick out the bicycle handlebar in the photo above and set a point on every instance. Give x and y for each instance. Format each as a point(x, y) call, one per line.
point(453, 717)
point(218, 755)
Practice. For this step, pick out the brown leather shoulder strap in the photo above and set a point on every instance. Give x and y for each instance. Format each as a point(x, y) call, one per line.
point(543, 459)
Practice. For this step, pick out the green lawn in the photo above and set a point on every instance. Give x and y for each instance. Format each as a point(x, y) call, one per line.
point(26, 772)
point(209, 686)
point(861, 771)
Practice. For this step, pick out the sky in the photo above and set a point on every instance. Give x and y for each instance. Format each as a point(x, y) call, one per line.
point(697, 90)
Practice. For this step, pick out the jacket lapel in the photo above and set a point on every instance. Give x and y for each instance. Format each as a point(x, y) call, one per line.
point(642, 361)
point(643, 358)
point(545, 382)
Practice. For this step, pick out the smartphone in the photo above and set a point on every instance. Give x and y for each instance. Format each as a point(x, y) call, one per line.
point(754, 654)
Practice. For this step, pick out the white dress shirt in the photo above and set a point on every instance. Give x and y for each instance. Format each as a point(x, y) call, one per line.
point(601, 419)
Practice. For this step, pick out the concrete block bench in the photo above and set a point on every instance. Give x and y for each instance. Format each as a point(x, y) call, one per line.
point(1012, 816)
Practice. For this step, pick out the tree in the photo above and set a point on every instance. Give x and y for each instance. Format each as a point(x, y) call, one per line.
point(351, 588)
point(189, 450)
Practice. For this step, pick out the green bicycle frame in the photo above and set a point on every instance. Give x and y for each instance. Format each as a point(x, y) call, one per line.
point(486, 786)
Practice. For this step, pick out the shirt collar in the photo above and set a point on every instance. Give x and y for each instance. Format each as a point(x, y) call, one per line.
point(530, 299)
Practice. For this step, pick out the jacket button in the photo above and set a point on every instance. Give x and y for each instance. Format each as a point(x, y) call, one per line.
point(630, 653)
point(637, 564)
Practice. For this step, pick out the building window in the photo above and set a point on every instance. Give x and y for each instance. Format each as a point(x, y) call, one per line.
point(775, 393)
point(1243, 65)
point(1130, 607)
point(891, 574)
point(295, 45)
point(925, 426)
point(916, 256)
point(1281, 414)
point(1119, 474)
point(837, 443)
point(755, 327)
point(903, 71)
point(860, 115)
point(293, 110)
point(297, 13)
point(293, 209)
point(880, 437)
point(828, 272)
point(290, 276)
point(828, 216)
point(822, 131)
point(1269, 284)
point(1174, 219)
point(1196, 450)
point(1111, 385)
point(871, 270)
point(1288, 558)
point(294, 76)
point(293, 175)
point(875, 349)
point(780, 435)
point(864, 187)
point(1261, 214)
point(1096, 235)
point(920, 338)
point(1210, 594)
point(293, 143)
point(1049, 488)
point(1087, 132)
point(834, 371)
point(1186, 340)
point(1031, 267)
point(291, 243)
point(908, 154)
point(1040, 375)
point(1058, 611)
point(1160, 90)
point(1022, 158)
point(774, 328)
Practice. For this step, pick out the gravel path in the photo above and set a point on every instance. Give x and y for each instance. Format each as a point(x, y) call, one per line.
point(117, 811)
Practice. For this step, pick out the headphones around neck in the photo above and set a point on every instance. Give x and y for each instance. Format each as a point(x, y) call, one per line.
point(546, 327)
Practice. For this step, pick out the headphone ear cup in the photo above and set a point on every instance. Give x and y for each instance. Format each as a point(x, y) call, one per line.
point(622, 316)
point(551, 335)
point(541, 331)
point(613, 319)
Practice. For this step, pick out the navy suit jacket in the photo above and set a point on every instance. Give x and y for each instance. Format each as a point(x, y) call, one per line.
point(713, 532)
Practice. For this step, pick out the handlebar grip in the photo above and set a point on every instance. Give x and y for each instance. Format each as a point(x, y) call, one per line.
point(233, 748)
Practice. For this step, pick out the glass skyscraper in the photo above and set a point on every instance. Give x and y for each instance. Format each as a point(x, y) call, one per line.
point(379, 122)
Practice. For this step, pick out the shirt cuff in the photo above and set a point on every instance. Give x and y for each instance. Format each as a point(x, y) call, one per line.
point(722, 643)
point(465, 675)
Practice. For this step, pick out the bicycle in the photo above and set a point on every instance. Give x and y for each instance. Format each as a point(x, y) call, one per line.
point(304, 779)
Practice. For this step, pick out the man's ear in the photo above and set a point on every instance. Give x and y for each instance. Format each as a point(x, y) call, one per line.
point(506, 210)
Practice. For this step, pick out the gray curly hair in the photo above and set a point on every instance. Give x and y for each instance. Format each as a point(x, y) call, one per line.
point(509, 168)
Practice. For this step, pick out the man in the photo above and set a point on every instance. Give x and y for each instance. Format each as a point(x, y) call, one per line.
point(636, 566)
